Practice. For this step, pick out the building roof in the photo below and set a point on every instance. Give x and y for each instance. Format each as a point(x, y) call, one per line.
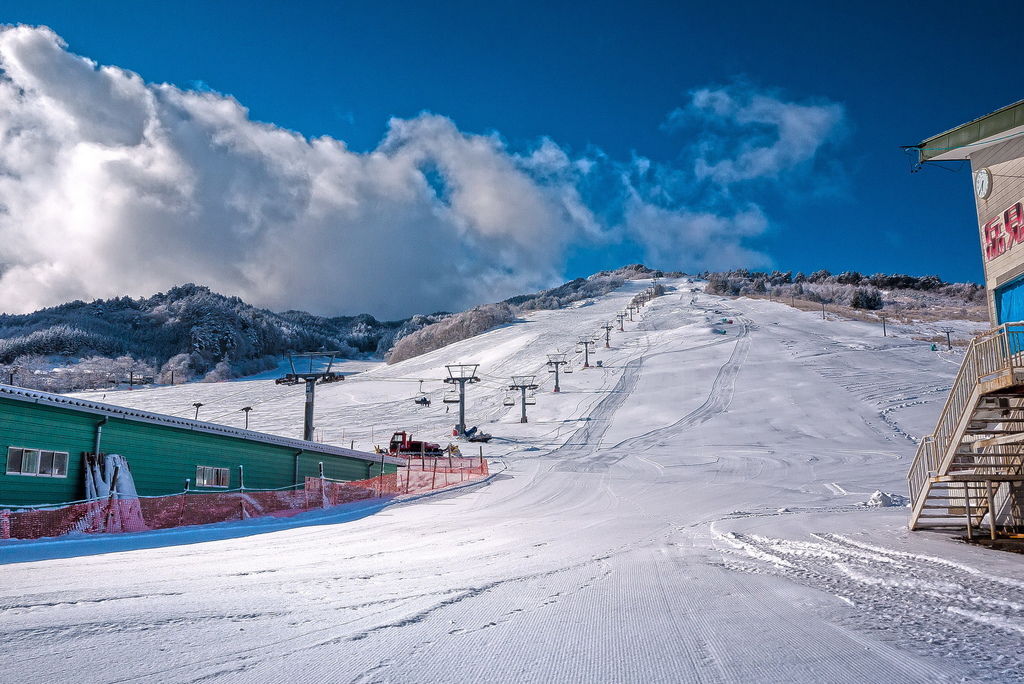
point(135, 415)
point(968, 138)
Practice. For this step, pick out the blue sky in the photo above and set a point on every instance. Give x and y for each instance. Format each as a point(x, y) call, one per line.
point(602, 81)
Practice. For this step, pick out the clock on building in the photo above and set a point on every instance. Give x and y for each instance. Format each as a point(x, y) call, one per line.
point(983, 183)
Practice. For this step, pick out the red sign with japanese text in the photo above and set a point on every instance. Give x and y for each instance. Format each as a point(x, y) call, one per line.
point(1003, 232)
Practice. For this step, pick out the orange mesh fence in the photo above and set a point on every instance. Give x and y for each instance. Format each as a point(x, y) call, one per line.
point(192, 508)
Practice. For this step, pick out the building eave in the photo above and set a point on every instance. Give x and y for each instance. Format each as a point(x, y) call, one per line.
point(966, 139)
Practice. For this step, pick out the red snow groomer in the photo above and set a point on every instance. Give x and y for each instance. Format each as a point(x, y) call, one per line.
point(402, 444)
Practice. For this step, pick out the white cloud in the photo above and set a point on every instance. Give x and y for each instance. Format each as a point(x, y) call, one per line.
point(751, 134)
point(696, 240)
point(112, 186)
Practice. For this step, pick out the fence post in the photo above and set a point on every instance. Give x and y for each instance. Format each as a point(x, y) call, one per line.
point(323, 487)
point(433, 477)
point(111, 499)
point(184, 498)
point(380, 486)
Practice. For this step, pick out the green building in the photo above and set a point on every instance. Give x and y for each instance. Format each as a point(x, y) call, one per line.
point(47, 437)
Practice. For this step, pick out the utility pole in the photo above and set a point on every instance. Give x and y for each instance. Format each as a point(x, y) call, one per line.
point(949, 343)
point(523, 383)
point(246, 409)
point(586, 342)
point(198, 405)
point(10, 374)
point(884, 334)
point(310, 377)
point(460, 374)
point(608, 327)
point(823, 309)
point(172, 377)
point(621, 317)
point(556, 361)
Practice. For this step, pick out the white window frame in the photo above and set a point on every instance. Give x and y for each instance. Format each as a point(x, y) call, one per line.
point(210, 477)
point(58, 457)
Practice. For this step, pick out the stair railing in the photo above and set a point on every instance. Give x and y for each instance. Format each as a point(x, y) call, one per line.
point(991, 353)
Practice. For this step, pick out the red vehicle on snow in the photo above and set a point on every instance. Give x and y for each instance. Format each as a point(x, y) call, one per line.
point(402, 444)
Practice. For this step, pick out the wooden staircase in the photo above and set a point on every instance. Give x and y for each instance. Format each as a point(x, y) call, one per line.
point(974, 461)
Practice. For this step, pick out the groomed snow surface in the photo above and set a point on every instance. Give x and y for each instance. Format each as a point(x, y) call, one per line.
point(692, 511)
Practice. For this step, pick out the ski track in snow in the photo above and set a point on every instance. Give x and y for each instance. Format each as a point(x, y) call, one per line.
point(686, 513)
point(925, 603)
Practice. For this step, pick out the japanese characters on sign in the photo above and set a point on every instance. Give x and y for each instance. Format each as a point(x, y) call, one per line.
point(1003, 232)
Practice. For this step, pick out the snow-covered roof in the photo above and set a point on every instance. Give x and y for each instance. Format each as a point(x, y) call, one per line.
point(97, 408)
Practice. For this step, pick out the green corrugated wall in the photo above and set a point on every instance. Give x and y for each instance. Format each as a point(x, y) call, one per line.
point(161, 457)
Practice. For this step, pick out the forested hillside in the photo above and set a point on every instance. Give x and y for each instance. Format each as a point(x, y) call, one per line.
point(189, 330)
point(849, 288)
point(194, 333)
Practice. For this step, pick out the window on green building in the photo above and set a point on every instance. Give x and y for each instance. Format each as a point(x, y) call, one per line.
point(37, 462)
point(212, 477)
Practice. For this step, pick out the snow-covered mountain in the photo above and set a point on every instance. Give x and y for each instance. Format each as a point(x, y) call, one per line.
point(196, 333)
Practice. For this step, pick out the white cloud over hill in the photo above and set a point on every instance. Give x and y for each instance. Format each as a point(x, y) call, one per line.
point(110, 185)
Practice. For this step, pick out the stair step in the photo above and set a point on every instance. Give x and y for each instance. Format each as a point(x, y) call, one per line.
point(967, 450)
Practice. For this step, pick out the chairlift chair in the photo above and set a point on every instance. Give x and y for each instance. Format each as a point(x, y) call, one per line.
point(451, 396)
point(509, 400)
point(531, 398)
point(568, 368)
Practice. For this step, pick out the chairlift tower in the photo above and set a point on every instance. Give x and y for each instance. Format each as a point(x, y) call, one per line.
point(586, 342)
point(621, 317)
point(460, 374)
point(523, 383)
point(556, 361)
point(311, 377)
point(607, 327)
point(949, 342)
point(631, 308)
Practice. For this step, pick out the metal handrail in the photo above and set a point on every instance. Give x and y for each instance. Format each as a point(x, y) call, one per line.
point(991, 353)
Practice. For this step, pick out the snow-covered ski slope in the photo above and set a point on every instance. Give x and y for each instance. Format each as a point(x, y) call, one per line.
point(688, 512)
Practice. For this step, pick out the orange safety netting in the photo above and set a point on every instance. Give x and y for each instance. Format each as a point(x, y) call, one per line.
point(192, 508)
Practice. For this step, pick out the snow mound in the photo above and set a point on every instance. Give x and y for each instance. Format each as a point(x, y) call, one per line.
point(886, 499)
